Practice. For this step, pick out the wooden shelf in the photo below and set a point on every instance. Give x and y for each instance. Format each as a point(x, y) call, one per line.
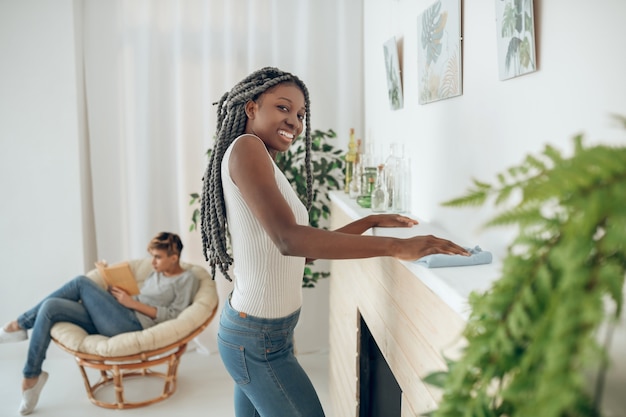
point(415, 314)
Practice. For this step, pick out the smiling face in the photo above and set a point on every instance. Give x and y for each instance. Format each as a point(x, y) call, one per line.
point(277, 116)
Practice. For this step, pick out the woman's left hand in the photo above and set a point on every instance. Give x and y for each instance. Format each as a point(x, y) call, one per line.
point(394, 220)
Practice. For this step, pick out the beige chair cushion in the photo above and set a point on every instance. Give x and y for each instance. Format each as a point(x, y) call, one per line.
point(163, 334)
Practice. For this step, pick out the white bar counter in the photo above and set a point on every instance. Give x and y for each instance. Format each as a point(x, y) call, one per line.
point(452, 284)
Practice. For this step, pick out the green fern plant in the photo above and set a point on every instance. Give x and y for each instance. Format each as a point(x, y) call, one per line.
point(327, 171)
point(532, 337)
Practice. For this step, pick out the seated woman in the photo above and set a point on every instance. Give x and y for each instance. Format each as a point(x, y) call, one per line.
point(81, 301)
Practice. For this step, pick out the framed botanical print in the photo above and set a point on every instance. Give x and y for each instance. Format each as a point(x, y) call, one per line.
point(515, 25)
point(439, 51)
point(392, 68)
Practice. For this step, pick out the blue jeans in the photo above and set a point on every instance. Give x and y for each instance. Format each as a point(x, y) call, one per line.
point(82, 302)
point(258, 354)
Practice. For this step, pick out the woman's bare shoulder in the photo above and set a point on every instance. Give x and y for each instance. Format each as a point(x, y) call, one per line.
point(248, 141)
point(249, 159)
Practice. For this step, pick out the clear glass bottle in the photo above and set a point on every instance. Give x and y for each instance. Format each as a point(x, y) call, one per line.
point(370, 180)
point(350, 159)
point(355, 182)
point(368, 171)
point(397, 180)
point(379, 193)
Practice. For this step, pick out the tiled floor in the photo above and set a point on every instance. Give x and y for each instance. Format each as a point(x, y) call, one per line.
point(204, 387)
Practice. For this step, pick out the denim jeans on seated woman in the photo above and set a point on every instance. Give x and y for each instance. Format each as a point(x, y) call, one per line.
point(80, 301)
point(258, 354)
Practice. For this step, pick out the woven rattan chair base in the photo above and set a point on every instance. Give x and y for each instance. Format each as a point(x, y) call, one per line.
point(115, 370)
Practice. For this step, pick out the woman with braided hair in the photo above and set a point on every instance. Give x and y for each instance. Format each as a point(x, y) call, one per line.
point(249, 201)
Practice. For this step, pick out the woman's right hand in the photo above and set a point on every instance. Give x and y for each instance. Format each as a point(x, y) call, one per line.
point(419, 246)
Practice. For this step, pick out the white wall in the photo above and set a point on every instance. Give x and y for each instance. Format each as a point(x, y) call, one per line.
point(494, 124)
point(46, 236)
point(41, 230)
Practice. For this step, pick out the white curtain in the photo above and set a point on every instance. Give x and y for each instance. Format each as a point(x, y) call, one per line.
point(153, 70)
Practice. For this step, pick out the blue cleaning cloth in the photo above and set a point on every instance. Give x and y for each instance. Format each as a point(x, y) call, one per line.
point(439, 260)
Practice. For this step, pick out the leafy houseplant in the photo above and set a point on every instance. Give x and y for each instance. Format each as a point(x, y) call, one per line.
point(327, 171)
point(532, 337)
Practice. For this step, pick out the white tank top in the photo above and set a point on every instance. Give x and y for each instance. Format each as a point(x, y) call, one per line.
point(266, 283)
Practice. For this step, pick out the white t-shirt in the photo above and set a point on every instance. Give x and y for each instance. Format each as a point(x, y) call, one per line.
point(266, 283)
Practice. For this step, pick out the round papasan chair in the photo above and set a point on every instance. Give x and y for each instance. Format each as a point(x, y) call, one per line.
point(142, 353)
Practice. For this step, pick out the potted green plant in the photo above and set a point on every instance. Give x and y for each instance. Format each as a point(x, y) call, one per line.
point(532, 337)
point(327, 170)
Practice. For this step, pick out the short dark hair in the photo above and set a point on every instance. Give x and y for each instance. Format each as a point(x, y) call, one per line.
point(169, 242)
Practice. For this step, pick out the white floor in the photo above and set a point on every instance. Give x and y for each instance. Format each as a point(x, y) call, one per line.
point(204, 387)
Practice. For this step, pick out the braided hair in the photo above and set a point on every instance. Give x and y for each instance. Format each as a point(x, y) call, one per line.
point(231, 123)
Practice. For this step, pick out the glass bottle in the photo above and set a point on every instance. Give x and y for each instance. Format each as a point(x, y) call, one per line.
point(350, 158)
point(354, 188)
point(368, 170)
point(357, 172)
point(379, 194)
point(369, 180)
point(396, 177)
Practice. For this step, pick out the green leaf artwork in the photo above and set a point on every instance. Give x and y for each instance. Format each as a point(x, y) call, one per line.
point(516, 37)
point(439, 51)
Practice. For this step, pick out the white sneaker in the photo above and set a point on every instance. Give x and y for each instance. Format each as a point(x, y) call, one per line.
point(10, 337)
point(31, 395)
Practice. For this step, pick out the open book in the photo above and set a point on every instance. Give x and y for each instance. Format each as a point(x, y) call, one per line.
point(119, 275)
